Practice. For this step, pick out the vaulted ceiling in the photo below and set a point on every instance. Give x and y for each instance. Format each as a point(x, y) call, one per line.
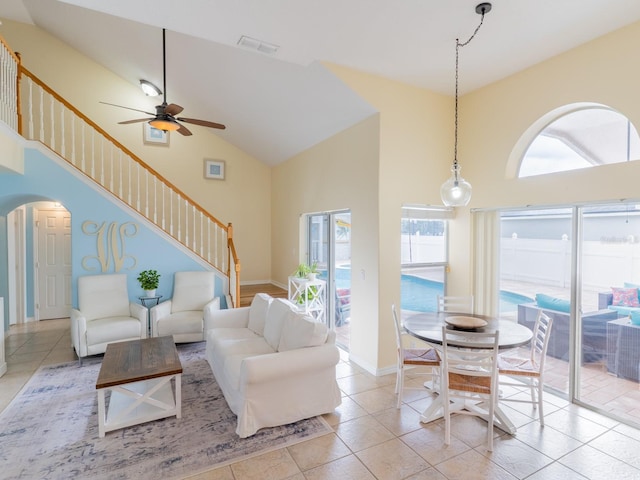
point(277, 105)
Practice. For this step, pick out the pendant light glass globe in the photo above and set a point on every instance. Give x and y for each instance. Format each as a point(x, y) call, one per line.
point(456, 191)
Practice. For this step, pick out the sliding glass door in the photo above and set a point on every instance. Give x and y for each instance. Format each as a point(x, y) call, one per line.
point(609, 375)
point(329, 237)
point(582, 266)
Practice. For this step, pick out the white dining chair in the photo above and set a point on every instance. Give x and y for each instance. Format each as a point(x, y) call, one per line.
point(413, 357)
point(526, 372)
point(469, 376)
point(456, 304)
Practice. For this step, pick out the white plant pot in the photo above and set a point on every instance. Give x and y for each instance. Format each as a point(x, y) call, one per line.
point(311, 276)
point(150, 293)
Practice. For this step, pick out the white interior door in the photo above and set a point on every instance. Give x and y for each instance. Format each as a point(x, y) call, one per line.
point(53, 264)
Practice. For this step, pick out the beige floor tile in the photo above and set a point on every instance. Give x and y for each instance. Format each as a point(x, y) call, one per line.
point(276, 465)
point(472, 465)
point(574, 425)
point(346, 468)
point(375, 400)
point(360, 382)
point(547, 440)
point(399, 420)
point(428, 474)
point(428, 442)
point(363, 432)
point(517, 457)
point(594, 464)
point(556, 471)
point(318, 451)
point(348, 410)
point(392, 460)
point(620, 446)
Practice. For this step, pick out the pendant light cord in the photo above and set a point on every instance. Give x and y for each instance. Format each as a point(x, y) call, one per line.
point(482, 12)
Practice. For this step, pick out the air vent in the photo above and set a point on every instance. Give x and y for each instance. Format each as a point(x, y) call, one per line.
point(258, 45)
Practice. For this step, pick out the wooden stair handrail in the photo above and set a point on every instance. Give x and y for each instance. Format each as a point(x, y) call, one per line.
point(133, 156)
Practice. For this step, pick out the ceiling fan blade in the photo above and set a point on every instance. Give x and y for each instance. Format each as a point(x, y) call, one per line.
point(184, 131)
point(128, 108)
point(137, 120)
point(173, 109)
point(203, 123)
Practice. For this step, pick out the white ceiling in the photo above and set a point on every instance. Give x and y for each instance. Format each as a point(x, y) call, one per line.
point(277, 105)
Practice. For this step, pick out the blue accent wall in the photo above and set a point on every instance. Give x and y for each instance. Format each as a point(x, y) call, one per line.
point(129, 244)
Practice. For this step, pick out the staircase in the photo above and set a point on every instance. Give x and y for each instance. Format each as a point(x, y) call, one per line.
point(38, 113)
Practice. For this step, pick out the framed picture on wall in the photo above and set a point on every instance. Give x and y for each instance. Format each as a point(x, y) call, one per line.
point(214, 169)
point(153, 136)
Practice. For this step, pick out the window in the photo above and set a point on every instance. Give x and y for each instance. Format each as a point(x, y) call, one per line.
point(580, 139)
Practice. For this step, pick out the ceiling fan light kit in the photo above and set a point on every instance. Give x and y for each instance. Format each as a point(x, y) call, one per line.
point(456, 191)
point(149, 89)
point(165, 117)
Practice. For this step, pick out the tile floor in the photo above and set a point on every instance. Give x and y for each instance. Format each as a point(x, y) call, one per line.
point(374, 440)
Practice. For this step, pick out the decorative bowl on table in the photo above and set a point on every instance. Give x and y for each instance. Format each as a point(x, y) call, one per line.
point(463, 322)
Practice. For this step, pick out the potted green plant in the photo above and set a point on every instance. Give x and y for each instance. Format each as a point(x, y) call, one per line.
point(305, 271)
point(149, 281)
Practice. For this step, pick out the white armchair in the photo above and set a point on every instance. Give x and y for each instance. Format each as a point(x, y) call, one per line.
point(105, 315)
point(185, 314)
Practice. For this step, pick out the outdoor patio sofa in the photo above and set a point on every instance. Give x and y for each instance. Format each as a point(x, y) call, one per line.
point(594, 328)
point(274, 364)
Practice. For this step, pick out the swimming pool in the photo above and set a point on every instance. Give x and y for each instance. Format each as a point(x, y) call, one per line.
point(420, 295)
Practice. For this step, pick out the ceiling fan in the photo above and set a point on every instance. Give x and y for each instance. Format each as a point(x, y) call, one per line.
point(165, 116)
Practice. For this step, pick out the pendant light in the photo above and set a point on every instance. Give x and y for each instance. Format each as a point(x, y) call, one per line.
point(456, 191)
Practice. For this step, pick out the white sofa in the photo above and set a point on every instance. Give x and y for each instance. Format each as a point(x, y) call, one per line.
point(275, 366)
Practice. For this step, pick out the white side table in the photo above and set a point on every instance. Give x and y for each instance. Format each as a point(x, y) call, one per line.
point(310, 296)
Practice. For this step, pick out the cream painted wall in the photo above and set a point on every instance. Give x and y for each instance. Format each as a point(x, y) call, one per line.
point(494, 118)
point(602, 71)
point(243, 199)
point(415, 138)
point(339, 173)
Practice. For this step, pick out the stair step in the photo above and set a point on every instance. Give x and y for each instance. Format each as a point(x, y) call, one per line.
point(247, 292)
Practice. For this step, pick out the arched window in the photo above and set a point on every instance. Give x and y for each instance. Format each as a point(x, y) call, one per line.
point(582, 138)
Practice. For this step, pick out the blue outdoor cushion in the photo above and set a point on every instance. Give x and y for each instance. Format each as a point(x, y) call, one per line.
point(552, 303)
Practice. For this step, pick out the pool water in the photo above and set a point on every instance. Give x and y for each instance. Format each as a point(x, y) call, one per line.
point(420, 295)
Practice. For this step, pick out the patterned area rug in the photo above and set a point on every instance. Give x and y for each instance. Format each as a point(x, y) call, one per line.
point(50, 430)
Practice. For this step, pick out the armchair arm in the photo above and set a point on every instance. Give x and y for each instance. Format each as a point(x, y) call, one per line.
point(272, 366)
point(211, 307)
point(156, 313)
point(79, 332)
point(140, 312)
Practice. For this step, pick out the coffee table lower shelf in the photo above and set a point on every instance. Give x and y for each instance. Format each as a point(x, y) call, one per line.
point(139, 402)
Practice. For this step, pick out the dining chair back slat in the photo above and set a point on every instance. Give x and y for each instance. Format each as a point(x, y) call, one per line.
point(469, 374)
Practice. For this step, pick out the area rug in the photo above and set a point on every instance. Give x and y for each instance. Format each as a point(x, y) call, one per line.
point(50, 430)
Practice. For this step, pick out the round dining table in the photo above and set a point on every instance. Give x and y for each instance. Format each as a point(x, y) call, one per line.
point(428, 327)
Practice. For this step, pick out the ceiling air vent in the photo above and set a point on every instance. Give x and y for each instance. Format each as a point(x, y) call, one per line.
point(258, 45)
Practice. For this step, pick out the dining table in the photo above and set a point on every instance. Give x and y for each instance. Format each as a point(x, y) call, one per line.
point(427, 326)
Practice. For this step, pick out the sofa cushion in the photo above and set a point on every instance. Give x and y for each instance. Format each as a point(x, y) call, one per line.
point(113, 329)
point(625, 297)
point(258, 312)
point(180, 322)
point(276, 315)
point(552, 303)
point(301, 331)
